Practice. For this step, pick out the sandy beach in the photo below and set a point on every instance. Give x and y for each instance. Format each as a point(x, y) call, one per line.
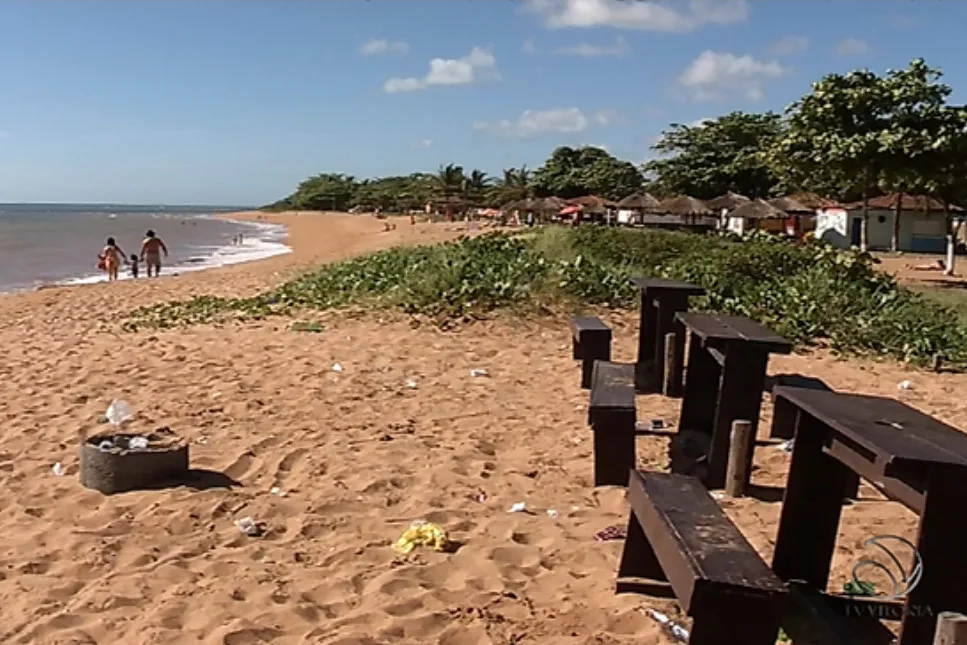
point(337, 464)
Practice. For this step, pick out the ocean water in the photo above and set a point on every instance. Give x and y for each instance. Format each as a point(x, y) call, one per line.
point(44, 244)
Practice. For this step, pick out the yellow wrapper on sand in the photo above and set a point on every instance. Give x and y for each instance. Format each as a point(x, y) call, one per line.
point(422, 534)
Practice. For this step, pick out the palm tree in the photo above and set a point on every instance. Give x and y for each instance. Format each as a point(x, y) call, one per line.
point(477, 183)
point(514, 185)
point(451, 181)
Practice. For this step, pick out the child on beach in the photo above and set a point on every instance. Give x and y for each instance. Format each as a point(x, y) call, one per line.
point(111, 258)
point(134, 265)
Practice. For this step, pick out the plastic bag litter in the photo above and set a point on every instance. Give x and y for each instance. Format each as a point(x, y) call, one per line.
point(119, 412)
point(138, 443)
point(58, 469)
point(673, 628)
point(248, 526)
point(422, 533)
point(336, 367)
point(479, 373)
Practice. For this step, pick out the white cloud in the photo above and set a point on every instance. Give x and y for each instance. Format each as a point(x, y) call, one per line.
point(478, 64)
point(789, 45)
point(423, 143)
point(533, 123)
point(373, 47)
point(529, 47)
point(714, 76)
point(618, 48)
point(647, 15)
point(852, 47)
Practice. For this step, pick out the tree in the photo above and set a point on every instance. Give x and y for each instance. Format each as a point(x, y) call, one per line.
point(450, 180)
point(833, 140)
point(575, 172)
point(717, 156)
point(912, 148)
point(515, 185)
point(324, 192)
point(476, 187)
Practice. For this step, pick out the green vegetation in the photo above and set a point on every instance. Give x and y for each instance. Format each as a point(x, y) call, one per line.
point(809, 293)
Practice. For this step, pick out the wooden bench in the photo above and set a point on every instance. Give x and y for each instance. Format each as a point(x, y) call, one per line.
point(785, 426)
point(660, 300)
point(590, 341)
point(727, 361)
point(611, 416)
point(678, 534)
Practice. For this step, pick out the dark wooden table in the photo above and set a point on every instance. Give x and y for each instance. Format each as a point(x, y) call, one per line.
point(660, 300)
point(911, 458)
point(726, 374)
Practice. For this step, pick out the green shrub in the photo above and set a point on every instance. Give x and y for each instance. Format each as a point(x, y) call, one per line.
point(807, 292)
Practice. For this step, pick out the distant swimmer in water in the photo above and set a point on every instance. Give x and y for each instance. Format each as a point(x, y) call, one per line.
point(151, 250)
point(111, 258)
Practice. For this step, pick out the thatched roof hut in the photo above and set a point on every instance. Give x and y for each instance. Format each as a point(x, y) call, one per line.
point(758, 209)
point(684, 206)
point(550, 204)
point(729, 201)
point(640, 202)
point(919, 203)
point(813, 201)
point(593, 203)
point(792, 206)
point(525, 205)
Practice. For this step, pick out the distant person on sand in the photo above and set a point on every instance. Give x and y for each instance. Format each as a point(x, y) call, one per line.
point(134, 265)
point(151, 250)
point(111, 258)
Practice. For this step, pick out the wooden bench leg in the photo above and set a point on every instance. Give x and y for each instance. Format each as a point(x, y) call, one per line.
point(615, 452)
point(666, 308)
point(736, 619)
point(596, 347)
point(811, 509)
point(940, 544)
point(740, 397)
point(638, 559)
point(701, 389)
point(647, 333)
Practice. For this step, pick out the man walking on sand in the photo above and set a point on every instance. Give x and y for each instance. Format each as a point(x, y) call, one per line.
point(151, 250)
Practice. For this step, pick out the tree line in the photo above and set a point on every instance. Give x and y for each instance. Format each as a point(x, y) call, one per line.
point(852, 137)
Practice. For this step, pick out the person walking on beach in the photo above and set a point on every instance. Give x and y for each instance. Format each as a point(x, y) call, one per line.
point(111, 258)
point(151, 250)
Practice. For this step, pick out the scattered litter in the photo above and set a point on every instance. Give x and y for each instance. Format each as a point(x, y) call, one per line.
point(118, 412)
point(613, 532)
point(552, 513)
point(477, 373)
point(216, 395)
point(138, 443)
point(202, 440)
point(422, 533)
point(717, 494)
point(248, 526)
point(481, 497)
point(106, 445)
point(336, 367)
point(275, 490)
point(518, 507)
point(786, 446)
point(59, 469)
point(411, 384)
point(673, 628)
point(905, 385)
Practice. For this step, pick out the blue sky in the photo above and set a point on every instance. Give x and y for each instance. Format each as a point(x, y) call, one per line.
point(235, 102)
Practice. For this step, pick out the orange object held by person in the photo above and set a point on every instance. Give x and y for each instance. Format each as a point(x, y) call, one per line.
point(101, 263)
